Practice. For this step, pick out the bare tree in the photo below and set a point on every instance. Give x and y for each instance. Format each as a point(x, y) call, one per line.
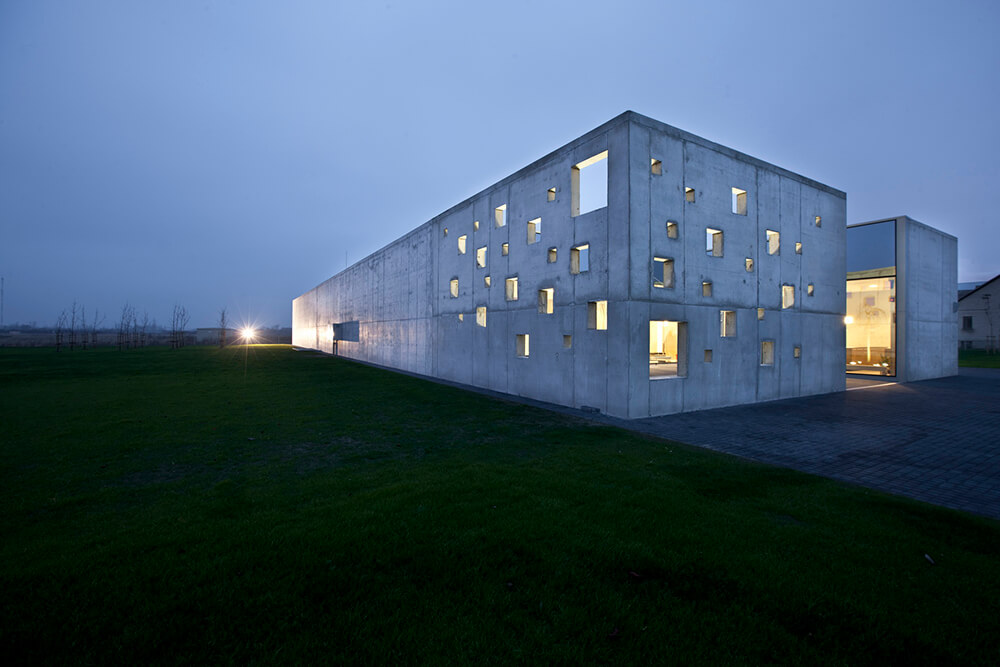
point(125, 326)
point(73, 316)
point(60, 329)
point(178, 324)
point(223, 323)
point(144, 330)
point(94, 324)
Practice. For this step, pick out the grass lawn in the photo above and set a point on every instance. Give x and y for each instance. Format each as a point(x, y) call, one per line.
point(271, 506)
point(978, 359)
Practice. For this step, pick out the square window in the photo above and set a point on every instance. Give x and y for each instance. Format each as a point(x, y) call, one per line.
point(546, 299)
point(663, 272)
point(481, 257)
point(567, 341)
point(787, 296)
point(504, 247)
point(668, 349)
point(672, 229)
point(551, 194)
point(534, 230)
point(773, 241)
point(454, 288)
point(461, 244)
point(708, 356)
point(523, 342)
point(798, 248)
point(706, 288)
point(727, 320)
point(589, 184)
point(552, 255)
point(500, 215)
point(655, 167)
point(579, 259)
point(713, 242)
point(767, 353)
point(739, 201)
point(748, 264)
point(511, 291)
point(689, 195)
point(597, 315)
point(481, 316)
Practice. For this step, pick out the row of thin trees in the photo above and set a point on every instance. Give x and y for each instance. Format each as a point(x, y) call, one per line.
point(74, 331)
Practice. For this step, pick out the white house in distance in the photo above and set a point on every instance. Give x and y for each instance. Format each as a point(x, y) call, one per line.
point(979, 317)
point(639, 270)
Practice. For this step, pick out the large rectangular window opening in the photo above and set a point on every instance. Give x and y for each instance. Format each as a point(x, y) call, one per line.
point(523, 345)
point(461, 244)
point(500, 215)
point(589, 184)
point(739, 201)
point(727, 321)
point(546, 299)
point(787, 296)
point(511, 289)
point(667, 349)
point(871, 325)
point(767, 353)
point(579, 259)
point(481, 316)
point(713, 242)
point(481, 257)
point(773, 242)
point(663, 272)
point(534, 230)
point(597, 315)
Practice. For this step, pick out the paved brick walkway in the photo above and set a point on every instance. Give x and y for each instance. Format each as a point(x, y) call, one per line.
point(936, 440)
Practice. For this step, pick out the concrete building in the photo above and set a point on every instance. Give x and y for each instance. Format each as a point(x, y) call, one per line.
point(639, 270)
point(902, 281)
point(979, 316)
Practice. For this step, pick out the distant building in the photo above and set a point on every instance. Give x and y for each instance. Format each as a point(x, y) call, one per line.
point(979, 317)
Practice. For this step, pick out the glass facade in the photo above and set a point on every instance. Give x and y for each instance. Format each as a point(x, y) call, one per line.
point(870, 317)
point(663, 360)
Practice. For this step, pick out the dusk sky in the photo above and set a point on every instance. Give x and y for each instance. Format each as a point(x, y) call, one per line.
point(236, 154)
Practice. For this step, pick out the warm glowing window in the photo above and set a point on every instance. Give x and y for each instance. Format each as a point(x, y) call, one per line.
point(481, 316)
point(671, 229)
point(767, 352)
point(809, 289)
point(706, 288)
point(579, 259)
point(454, 287)
point(512, 289)
point(739, 201)
point(797, 352)
point(819, 221)
point(655, 167)
point(727, 320)
point(534, 230)
point(500, 215)
point(689, 195)
point(481, 257)
point(713, 242)
point(551, 194)
point(461, 317)
point(461, 244)
point(597, 315)
point(760, 313)
point(546, 298)
point(445, 231)
point(663, 272)
point(787, 296)
point(487, 281)
point(552, 255)
point(798, 248)
point(748, 264)
point(589, 184)
point(667, 356)
point(773, 242)
point(504, 248)
point(522, 345)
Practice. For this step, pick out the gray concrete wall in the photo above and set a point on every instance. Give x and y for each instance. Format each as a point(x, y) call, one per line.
point(407, 317)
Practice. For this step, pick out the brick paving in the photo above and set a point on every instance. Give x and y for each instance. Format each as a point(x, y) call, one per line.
point(937, 440)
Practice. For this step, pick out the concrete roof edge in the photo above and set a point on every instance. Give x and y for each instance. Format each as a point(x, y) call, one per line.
point(908, 220)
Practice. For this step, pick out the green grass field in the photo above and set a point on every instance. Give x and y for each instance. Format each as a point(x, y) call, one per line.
point(978, 359)
point(270, 506)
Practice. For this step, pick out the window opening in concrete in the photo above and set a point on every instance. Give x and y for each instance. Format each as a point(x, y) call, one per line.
point(551, 194)
point(461, 244)
point(798, 248)
point(552, 255)
point(667, 349)
point(760, 313)
point(708, 356)
point(713, 242)
point(454, 288)
point(967, 323)
point(567, 341)
point(487, 281)
point(481, 257)
point(870, 325)
point(749, 264)
point(589, 184)
point(819, 221)
point(523, 345)
point(809, 289)
point(534, 230)
point(546, 300)
point(671, 229)
point(461, 317)
point(579, 259)
point(475, 225)
point(739, 201)
point(655, 166)
point(767, 353)
point(663, 272)
point(504, 248)
point(500, 215)
point(445, 231)
point(481, 316)
point(689, 195)
point(706, 288)
point(787, 296)
point(773, 242)
point(512, 289)
point(797, 352)
point(727, 323)
point(597, 315)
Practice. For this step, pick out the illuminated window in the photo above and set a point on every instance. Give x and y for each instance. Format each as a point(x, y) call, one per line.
point(819, 221)
point(461, 244)
point(809, 289)
point(589, 184)
point(552, 255)
point(512, 289)
point(773, 242)
point(445, 231)
point(534, 230)
point(551, 194)
point(663, 272)
point(667, 349)
point(749, 264)
point(475, 225)
point(546, 299)
point(787, 296)
point(597, 315)
point(760, 313)
point(706, 288)
point(870, 324)
point(655, 167)
point(461, 317)
point(727, 320)
point(567, 341)
point(500, 215)
point(486, 281)
point(739, 201)
point(579, 259)
point(481, 316)
point(671, 229)
point(504, 247)
point(713, 242)
point(454, 288)
point(798, 248)
point(481, 257)
point(767, 353)
point(522, 345)
point(689, 195)
point(797, 352)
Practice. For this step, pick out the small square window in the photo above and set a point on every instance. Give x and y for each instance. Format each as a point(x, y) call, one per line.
point(551, 194)
point(787, 296)
point(819, 221)
point(655, 167)
point(767, 353)
point(727, 323)
point(663, 272)
point(481, 316)
point(760, 313)
point(672, 229)
point(689, 195)
point(500, 215)
point(739, 201)
point(773, 241)
point(708, 356)
point(809, 289)
point(797, 352)
point(523, 348)
point(481, 257)
point(454, 288)
point(552, 255)
point(798, 248)
point(475, 225)
point(504, 247)
point(706, 288)
point(713, 242)
point(579, 259)
point(486, 281)
point(534, 230)
point(546, 299)
point(511, 291)
point(597, 315)
point(461, 244)
point(748, 264)
point(567, 341)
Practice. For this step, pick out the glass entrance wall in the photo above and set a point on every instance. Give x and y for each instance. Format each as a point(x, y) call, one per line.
point(871, 325)
point(663, 348)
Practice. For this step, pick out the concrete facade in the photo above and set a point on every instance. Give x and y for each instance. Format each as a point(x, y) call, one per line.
point(979, 317)
point(417, 304)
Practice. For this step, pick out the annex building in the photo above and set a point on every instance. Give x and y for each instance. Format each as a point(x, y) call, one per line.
point(639, 270)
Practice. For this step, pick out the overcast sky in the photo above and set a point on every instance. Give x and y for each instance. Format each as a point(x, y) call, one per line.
point(237, 153)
